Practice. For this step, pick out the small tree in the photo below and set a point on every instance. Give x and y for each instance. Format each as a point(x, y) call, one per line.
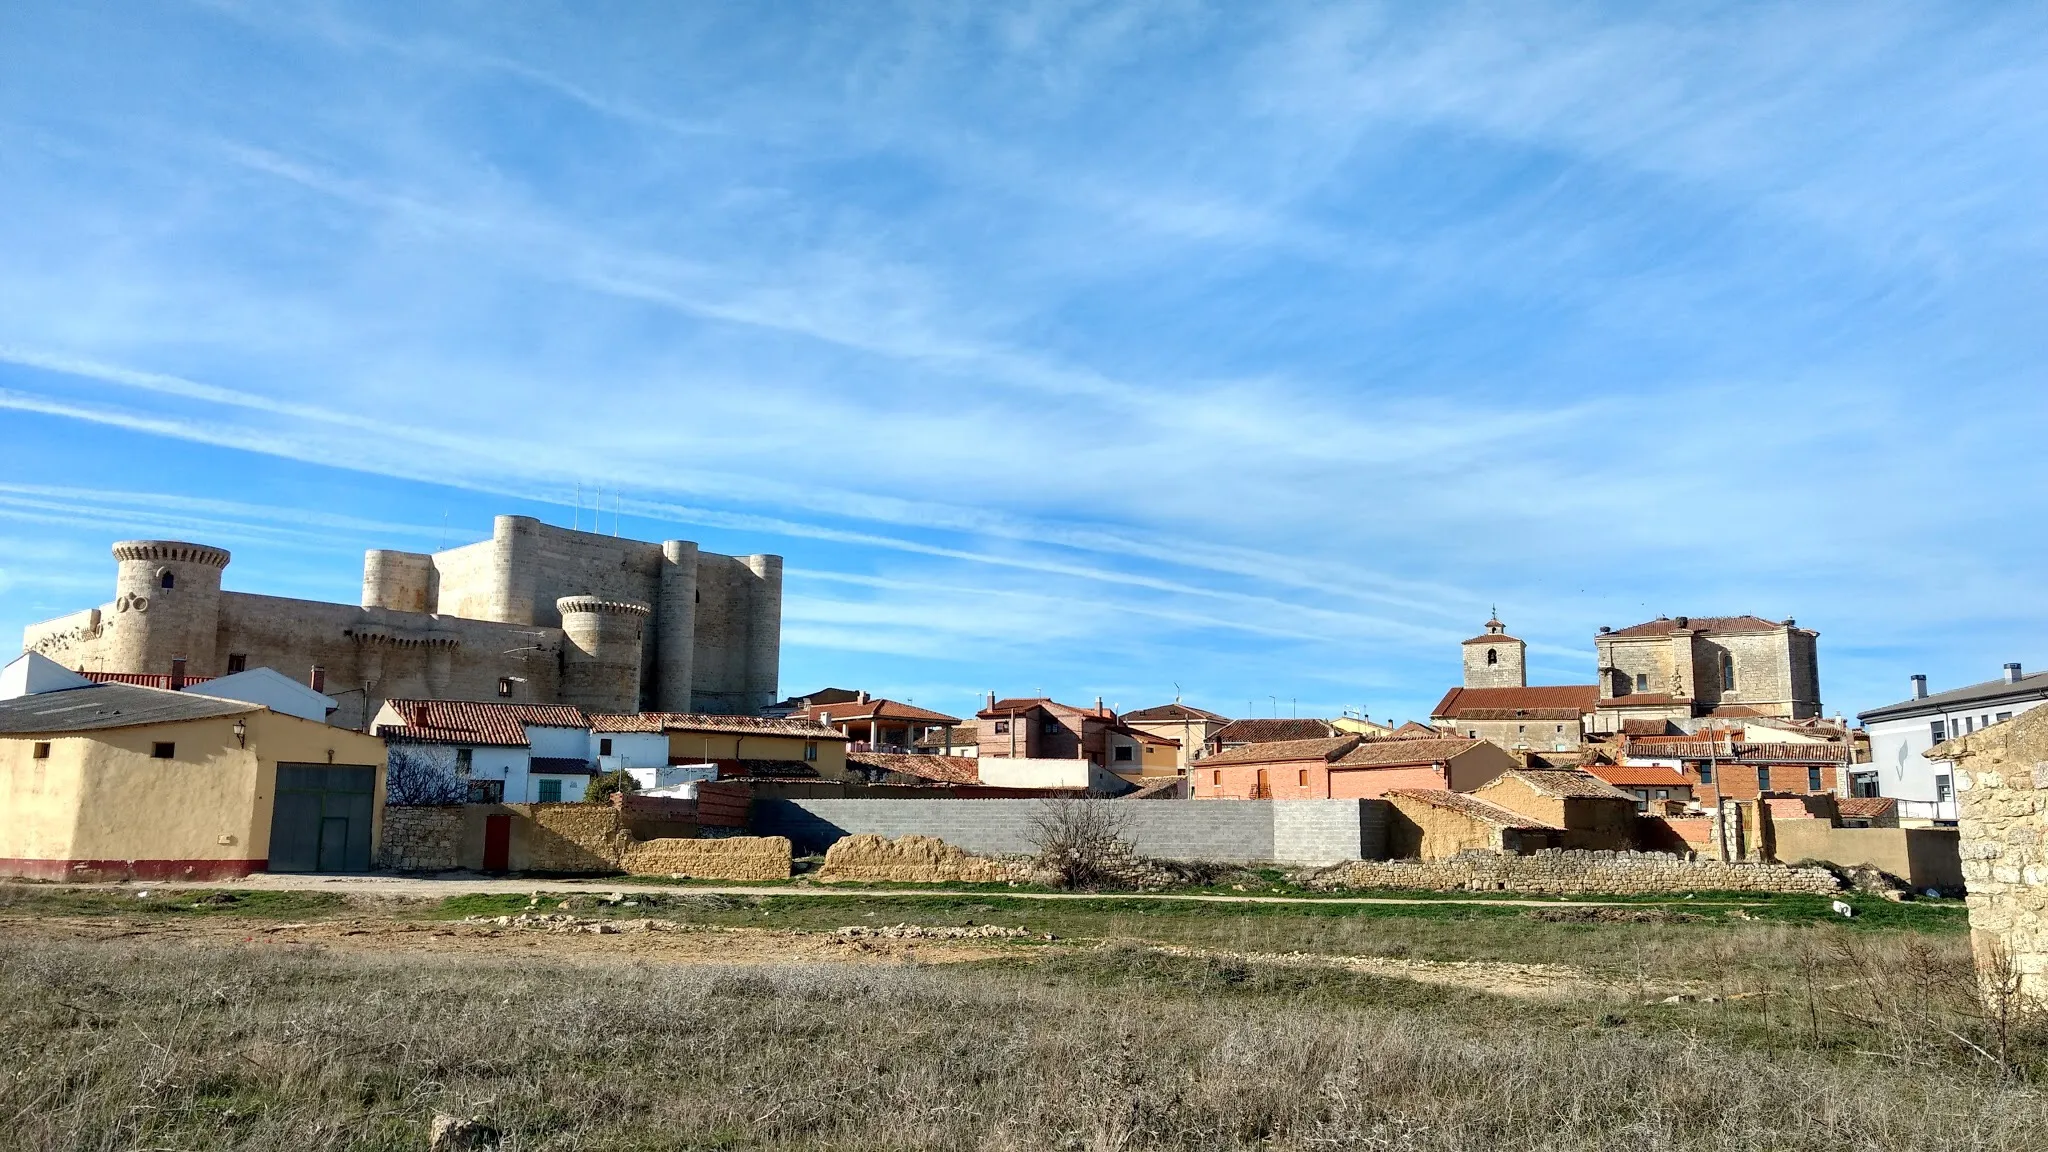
point(413, 779)
point(1081, 841)
point(602, 787)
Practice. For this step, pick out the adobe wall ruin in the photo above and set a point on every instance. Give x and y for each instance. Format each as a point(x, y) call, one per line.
point(2001, 782)
point(1557, 872)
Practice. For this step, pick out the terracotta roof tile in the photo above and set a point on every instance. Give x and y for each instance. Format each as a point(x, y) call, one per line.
point(1268, 731)
point(1571, 784)
point(702, 722)
point(1867, 807)
point(1470, 805)
point(1519, 714)
point(1174, 711)
point(871, 709)
point(1582, 697)
point(1273, 751)
point(1665, 627)
point(476, 721)
point(1403, 753)
point(944, 769)
point(140, 679)
point(1640, 775)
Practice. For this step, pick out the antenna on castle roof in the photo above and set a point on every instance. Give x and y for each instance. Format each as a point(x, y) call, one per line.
point(577, 522)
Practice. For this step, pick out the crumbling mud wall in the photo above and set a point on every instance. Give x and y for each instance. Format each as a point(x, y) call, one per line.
point(724, 858)
point(918, 859)
point(1576, 873)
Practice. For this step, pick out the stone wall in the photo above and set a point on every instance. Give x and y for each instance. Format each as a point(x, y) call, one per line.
point(421, 839)
point(1562, 873)
point(2001, 784)
point(1235, 832)
point(726, 858)
point(569, 838)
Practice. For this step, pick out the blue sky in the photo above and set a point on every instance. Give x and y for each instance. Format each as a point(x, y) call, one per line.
point(1255, 350)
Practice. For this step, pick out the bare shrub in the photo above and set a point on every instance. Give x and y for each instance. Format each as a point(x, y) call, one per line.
point(415, 780)
point(1082, 843)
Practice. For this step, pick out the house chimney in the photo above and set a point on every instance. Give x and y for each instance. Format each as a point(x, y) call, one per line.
point(1920, 686)
point(991, 698)
point(862, 696)
point(318, 680)
point(1680, 621)
point(178, 673)
point(1605, 629)
point(1098, 703)
point(2012, 673)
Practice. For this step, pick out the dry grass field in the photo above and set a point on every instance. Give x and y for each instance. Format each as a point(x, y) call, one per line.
point(280, 1021)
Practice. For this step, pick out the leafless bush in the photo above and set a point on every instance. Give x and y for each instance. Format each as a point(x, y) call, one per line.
point(415, 780)
point(1082, 843)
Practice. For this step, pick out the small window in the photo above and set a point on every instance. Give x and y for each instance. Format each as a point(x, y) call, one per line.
point(1123, 753)
point(464, 759)
point(238, 662)
point(548, 791)
point(486, 791)
point(1560, 727)
point(1216, 777)
point(1763, 779)
point(1642, 682)
point(1002, 727)
point(1642, 800)
point(1472, 734)
point(1492, 657)
point(1939, 730)
point(1520, 728)
point(1301, 778)
point(1943, 791)
point(811, 750)
point(1813, 779)
point(163, 750)
point(1706, 773)
point(2004, 716)
point(604, 747)
point(42, 750)
point(1663, 793)
point(1050, 728)
point(1728, 673)
point(168, 580)
point(504, 686)
point(1984, 721)
point(1969, 725)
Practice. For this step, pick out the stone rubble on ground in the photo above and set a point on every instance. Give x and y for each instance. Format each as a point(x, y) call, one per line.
point(930, 932)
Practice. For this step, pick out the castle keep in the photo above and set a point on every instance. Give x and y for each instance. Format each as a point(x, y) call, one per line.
point(536, 613)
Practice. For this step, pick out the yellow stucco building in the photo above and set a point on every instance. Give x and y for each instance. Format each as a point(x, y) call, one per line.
point(118, 781)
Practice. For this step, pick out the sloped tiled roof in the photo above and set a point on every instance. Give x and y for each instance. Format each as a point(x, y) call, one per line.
point(1469, 805)
point(1577, 696)
point(943, 769)
point(476, 721)
point(1665, 627)
point(1640, 775)
point(140, 679)
point(1866, 807)
point(1014, 704)
point(876, 709)
point(1569, 784)
point(1270, 730)
point(1519, 714)
point(560, 766)
point(1404, 753)
point(1320, 748)
point(705, 722)
point(1173, 711)
point(1414, 731)
point(1647, 728)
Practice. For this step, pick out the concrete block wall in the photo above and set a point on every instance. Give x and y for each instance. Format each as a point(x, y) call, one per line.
point(1241, 832)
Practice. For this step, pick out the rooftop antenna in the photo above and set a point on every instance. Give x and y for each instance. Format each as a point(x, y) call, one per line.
point(1176, 691)
point(577, 523)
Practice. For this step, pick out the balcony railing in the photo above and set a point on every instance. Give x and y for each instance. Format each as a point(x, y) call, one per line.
point(1927, 809)
point(871, 746)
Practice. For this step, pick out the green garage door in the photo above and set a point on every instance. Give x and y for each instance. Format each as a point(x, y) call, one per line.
point(321, 822)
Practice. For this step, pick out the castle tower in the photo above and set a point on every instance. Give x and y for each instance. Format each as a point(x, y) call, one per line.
point(1495, 659)
point(675, 628)
point(764, 633)
point(166, 606)
point(601, 652)
point(400, 581)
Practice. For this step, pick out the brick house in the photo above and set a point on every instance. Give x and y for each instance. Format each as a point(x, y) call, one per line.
point(1720, 764)
point(872, 724)
point(1188, 727)
point(1346, 767)
point(1038, 728)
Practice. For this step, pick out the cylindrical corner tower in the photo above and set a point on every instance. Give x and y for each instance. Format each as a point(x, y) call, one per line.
point(601, 652)
point(400, 581)
point(675, 628)
point(166, 606)
point(515, 548)
point(764, 633)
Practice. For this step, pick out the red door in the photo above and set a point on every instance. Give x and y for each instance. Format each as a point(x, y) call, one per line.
point(497, 843)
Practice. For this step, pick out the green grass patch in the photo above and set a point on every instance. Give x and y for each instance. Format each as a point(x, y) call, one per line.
point(143, 900)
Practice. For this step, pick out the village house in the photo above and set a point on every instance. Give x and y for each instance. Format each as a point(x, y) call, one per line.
point(1496, 704)
point(122, 781)
point(1189, 728)
point(738, 745)
point(1721, 763)
point(504, 753)
point(1346, 767)
point(1244, 733)
point(1592, 814)
point(1650, 784)
point(872, 724)
point(1901, 735)
point(1435, 824)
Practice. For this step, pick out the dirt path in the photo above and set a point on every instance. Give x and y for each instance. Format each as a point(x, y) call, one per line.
point(441, 887)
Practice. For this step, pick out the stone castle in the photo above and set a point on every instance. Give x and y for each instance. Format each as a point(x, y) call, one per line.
point(536, 613)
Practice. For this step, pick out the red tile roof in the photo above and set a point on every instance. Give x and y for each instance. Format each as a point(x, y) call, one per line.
point(1666, 626)
point(1569, 784)
point(1646, 728)
point(1173, 711)
point(140, 679)
point(1268, 731)
point(1403, 753)
point(944, 769)
point(1413, 731)
point(1640, 775)
point(875, 709)
point(476, 721)
point(1470, 805)
point(1015, 704)
point(1274, 751)
point(1519, 714)
point(1867, 807)
point(702, 722)
point(1742, 753)
point(1581, 697)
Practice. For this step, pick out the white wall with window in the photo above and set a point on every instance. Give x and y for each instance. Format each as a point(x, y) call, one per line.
point(1902, 733)
point(496, 774)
